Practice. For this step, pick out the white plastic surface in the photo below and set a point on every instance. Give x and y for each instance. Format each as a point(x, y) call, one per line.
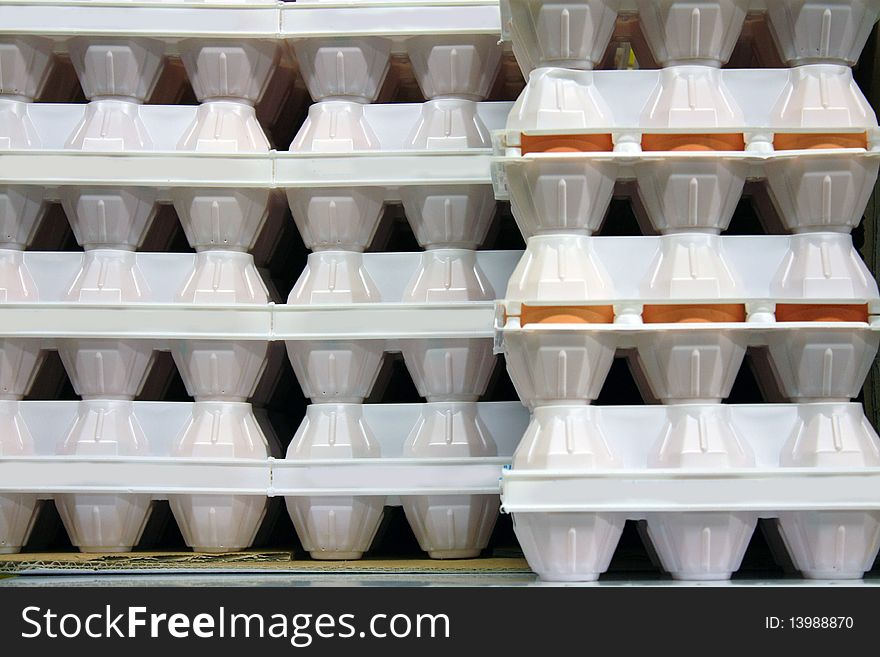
point(700, 475)
point(39, 157)
point(575, 33)
point(210, 460)
point(684, 99)
point(628, 271)
point(265, 19)
point(46, 312)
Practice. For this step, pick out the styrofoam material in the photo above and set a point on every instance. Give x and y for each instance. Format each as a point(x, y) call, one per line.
point(699, 32)
point(219, 144)
point(220, 523)
point(334, 527)
point(683, 191)
point(810, 361)
point(252, 19)
point(335, 371)
point(694, 267)
point(462, 67)
point(344, 68)
point(25, 62)
point(450, 526)
point(222, 224)
point(827, 31)
point(218, 313)
point(17, 510)
point(212, 456)
point(701, 545)
point(693, 362)
point(684, 99)
point(449, 216)
point(107, 369)
point(221, 69)
point(19, 359)
point(575, 34)
point(449, 370)
point(682, 367)
point(701, 475)
point(564, 34)
point(104, 522)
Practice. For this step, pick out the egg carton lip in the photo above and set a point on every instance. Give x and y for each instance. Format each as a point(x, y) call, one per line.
point(160, 474)
point(270, 19)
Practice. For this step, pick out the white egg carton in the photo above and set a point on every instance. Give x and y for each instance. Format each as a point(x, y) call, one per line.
point(826, 187)
point(575, 33)
point(47, 159)
point(59, 450)
point(685, 99)
point(701, 476)
point(766, 279)
point(759, 271)
point(47, 314)
point(247, 19)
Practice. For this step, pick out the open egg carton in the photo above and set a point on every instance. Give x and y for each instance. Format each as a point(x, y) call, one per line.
point(57, 450)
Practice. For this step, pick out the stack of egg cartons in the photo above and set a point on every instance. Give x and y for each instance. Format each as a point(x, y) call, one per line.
point(450, 220)
point(685, 304)
point(111, 162)
point(117, 73)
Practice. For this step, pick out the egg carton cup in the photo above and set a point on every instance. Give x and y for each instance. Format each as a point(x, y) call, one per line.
point(210, 460)
point(335, 207)
point(444, 368)
point(700, 476)
point(576, 33)
point(452, 521)
point(690, 136)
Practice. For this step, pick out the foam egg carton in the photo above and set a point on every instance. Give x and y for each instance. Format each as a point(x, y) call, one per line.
point(249, 19)
point(230, 51)
point(748, 123)
point(43, 158)
point(700, 476)
point(640, 289)
point(44, 311)
point(575, 33)
point(219, 497)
